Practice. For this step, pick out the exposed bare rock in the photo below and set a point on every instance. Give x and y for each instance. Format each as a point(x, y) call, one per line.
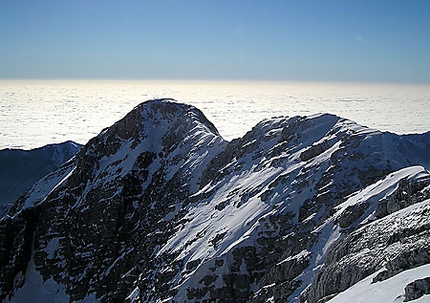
point(417, 289)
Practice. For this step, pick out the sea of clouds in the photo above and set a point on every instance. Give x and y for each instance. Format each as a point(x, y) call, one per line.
point(36, 113)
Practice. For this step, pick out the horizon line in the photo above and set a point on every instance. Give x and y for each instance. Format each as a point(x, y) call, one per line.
point(215, 80)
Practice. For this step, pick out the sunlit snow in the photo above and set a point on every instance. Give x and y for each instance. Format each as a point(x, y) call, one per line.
point(388, 291)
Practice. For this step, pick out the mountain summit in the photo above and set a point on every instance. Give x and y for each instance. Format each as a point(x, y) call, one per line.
point(159, 207)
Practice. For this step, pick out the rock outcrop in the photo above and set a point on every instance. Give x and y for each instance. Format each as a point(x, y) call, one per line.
point(417, 289)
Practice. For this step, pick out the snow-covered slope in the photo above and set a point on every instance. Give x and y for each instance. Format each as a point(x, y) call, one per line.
point(391, 290)
point(20, 169)
point(159, 207)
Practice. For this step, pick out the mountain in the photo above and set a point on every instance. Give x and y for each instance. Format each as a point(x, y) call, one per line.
point(20, 169)
point(160, 208)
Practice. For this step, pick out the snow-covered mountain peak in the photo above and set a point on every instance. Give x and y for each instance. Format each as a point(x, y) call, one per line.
point(158, 207)
point(160, 122)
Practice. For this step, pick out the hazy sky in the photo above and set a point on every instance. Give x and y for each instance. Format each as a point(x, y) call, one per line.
point(303, 40)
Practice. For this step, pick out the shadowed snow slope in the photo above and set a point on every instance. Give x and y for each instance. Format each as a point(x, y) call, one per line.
point(158, 207)
point(20, 169)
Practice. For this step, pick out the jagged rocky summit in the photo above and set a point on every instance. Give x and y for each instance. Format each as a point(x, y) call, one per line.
point(160, 208)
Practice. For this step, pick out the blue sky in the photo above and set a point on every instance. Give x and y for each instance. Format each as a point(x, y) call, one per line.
point(314, 40)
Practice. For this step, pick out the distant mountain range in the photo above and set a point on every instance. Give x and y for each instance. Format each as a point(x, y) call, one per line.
point(20, 169)
point(160, 208)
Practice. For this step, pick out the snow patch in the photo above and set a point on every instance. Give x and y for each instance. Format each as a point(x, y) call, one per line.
point(390, 290)
point(52, 247)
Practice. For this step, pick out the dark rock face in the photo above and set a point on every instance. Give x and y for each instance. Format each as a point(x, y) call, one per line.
point(159, 207)
point(406, 194)
point(20, 169)
point(417, 289)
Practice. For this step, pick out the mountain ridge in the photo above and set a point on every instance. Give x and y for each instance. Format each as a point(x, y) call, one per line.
point(20, 169)
point(159, 207)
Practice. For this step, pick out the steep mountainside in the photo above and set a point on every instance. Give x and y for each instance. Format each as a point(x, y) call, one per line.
point(159, 207)
point(20, 169)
